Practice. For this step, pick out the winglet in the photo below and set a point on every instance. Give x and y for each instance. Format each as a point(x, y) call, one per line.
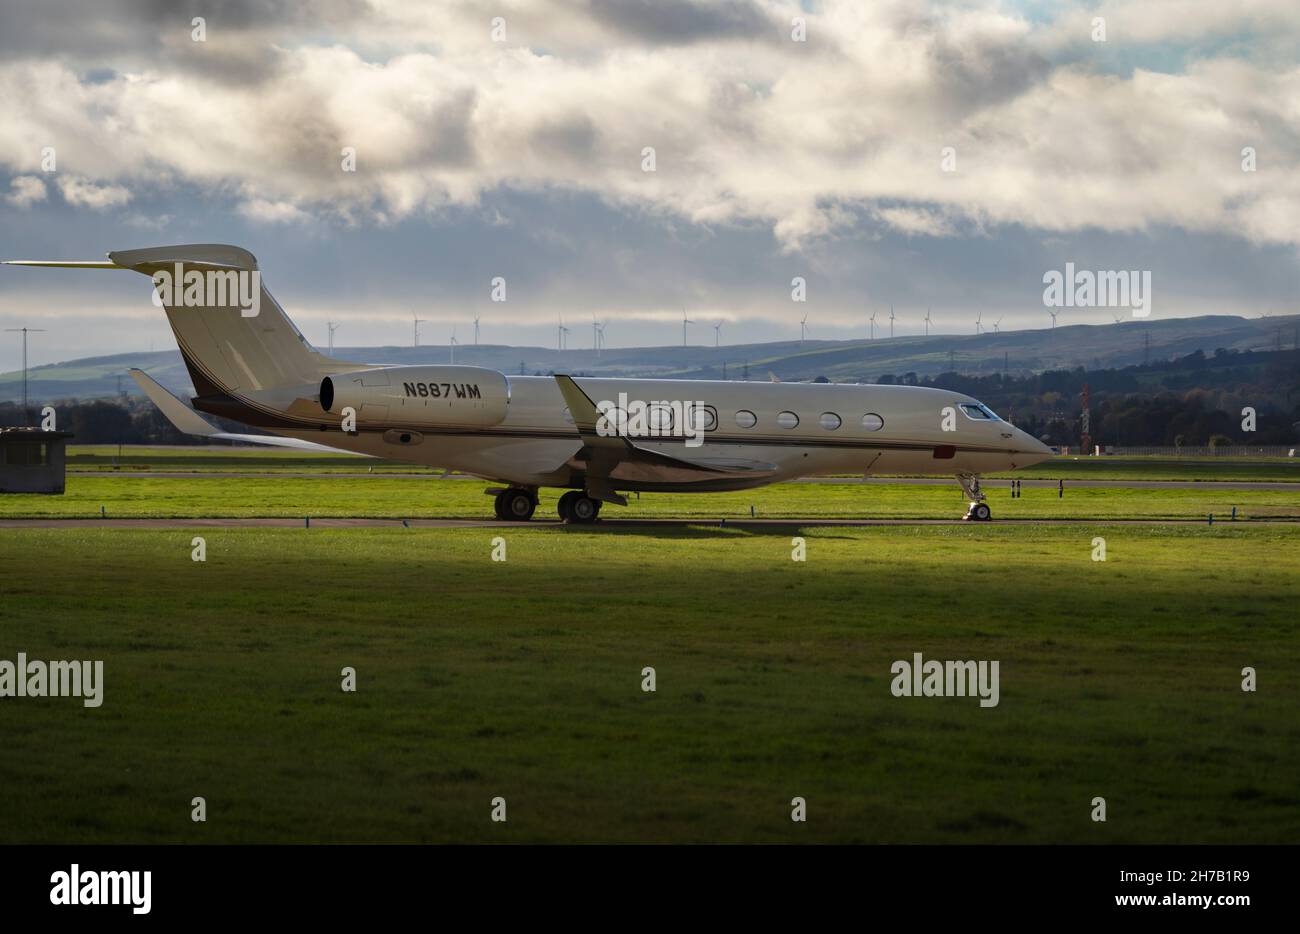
point(586, 416)
point(177, 412)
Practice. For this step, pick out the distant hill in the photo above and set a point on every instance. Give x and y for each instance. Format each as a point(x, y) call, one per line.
point(1093, 346)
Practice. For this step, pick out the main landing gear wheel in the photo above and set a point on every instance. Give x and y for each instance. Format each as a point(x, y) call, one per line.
point(516, 504)
point(576, 507)
point(980, 512)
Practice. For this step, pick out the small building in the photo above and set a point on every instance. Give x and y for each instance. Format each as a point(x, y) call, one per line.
point(32, 460)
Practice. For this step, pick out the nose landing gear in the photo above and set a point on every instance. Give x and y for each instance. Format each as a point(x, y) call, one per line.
point(979, 510)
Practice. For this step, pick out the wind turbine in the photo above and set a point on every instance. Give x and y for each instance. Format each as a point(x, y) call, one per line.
point(415, 329)
point(717, 333)
point(803, 328)
point(685, 321)
point(997, 326)
point(927, 322)
point(452, 345)
point(1119, 319)
point(978, 327)
point(476, 320)
point(333, 327)
point(560, 333)
point(600, 334)
point(872, 319)
point(891, 322)
point(1053, 314)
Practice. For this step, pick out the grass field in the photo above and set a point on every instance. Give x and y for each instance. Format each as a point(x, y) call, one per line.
point(205, 459)
point(397, 498)
point(522, 679)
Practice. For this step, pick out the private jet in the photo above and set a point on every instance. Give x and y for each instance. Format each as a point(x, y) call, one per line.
point(250, 364)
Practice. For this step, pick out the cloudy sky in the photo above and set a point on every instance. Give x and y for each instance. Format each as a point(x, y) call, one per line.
point(942, 155)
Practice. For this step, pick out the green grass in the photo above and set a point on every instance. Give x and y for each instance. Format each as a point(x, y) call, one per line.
point(105, 457)
point(222, 459)
point(1274, 469)
point(522, 679)
point(143, 496)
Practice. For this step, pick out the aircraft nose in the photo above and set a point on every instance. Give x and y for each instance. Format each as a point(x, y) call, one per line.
point(1030, 448)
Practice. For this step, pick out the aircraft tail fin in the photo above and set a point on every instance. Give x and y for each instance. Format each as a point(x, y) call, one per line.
point(232, 332)
point(233, 335)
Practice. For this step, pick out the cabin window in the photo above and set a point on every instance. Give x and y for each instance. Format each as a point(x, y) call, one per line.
point(829, 420)
point(787, 420)
point(746, 419)
point(615, 420)
point(704, 418)
point(660, 418)
point(872, 422)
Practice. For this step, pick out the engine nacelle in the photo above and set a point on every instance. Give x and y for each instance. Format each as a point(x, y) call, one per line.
point(419, 396)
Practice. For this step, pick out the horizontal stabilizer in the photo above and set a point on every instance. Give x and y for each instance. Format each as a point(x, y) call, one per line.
point(59, 264)
point(177, 412)
point(192, 423)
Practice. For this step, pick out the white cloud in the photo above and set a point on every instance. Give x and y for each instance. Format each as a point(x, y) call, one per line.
point(25, 190)
point(916, 222)
point(273, 212)
point(152, 222)
point(747, 126)
point(84, 193)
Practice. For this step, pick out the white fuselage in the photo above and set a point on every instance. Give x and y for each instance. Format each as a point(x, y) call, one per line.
point(908, 430)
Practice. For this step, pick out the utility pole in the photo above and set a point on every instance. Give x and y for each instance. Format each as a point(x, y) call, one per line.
point(25, 332)
point(1086, 423)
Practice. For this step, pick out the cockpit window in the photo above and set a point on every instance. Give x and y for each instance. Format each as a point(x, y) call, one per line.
point(978, 410)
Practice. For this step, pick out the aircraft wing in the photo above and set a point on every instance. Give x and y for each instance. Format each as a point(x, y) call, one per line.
point(192, 423)
point(611, 458)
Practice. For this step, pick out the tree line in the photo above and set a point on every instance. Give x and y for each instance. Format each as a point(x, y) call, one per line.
point(1194, 400)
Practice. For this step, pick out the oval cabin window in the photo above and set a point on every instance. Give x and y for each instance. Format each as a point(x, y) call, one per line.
point(703, 419)
point(829, 420)
point(872, 422)
point(787, 420)
point(615, 419)
point(661, 418)
point(746, 419)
